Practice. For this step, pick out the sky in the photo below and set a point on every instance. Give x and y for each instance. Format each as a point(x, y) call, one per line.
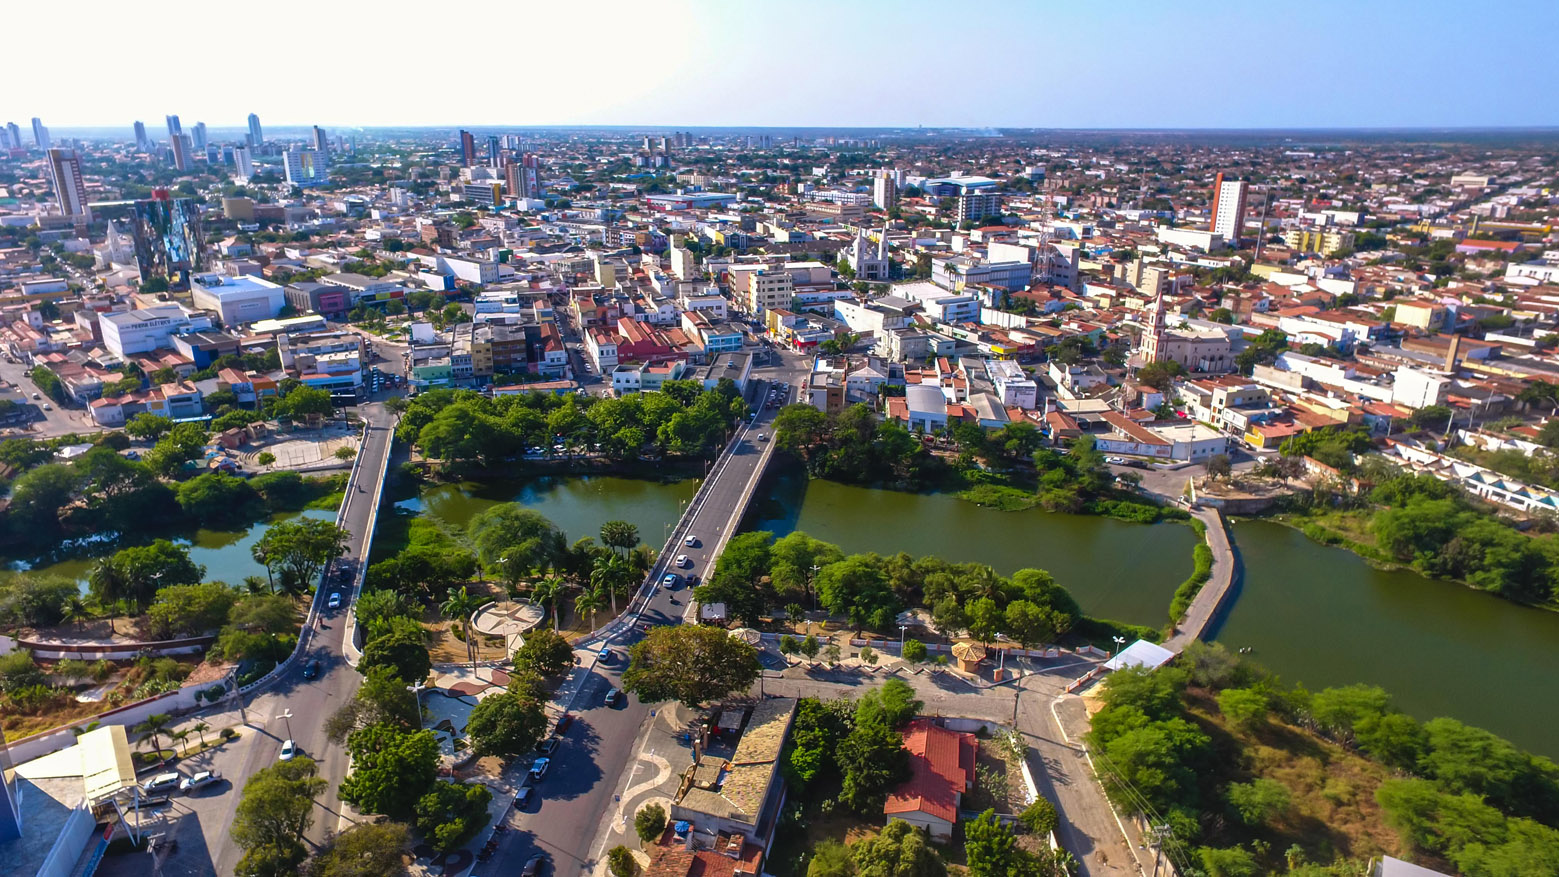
point(807, 63)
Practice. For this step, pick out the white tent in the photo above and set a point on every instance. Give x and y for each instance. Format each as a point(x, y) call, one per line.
point(1140, 654)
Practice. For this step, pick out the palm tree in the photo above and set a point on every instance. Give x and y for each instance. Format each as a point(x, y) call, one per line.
point(151, 729)
point(458, 607)
point(179, 737)
point(86, 729)
point(74, 609)
point(608, 575)
point(589, 601)
point(256, 585)
point(547, 591)
point(201, 728)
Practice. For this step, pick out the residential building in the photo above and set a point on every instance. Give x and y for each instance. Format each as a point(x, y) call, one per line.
point(1228, 208)
point(759, 289)
point(181, 151)
point(142, 142)
point(941, 764)
point(1325, 241)
point(40, 134)
point(237, 300)
point(243, 164)
point(256, 136)
point(70, 189)
point(306, 167)
point(467, 148)
point(1013, 386)
point(321, 140)
point(739, 795)
point(885, 192)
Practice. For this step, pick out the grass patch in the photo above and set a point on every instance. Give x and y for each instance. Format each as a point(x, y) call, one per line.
point(1201, 571)
point(1101, 632)
point(997, 496)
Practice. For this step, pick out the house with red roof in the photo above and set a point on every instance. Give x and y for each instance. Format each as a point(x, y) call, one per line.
point(941, 766)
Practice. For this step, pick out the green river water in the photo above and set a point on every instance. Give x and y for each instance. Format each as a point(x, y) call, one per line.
point(1313, 614)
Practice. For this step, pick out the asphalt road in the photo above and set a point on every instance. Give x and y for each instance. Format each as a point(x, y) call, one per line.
point(201, 822)
point(577, 799)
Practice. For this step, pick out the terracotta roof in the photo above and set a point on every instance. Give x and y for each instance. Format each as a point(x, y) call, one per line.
point(941, 768)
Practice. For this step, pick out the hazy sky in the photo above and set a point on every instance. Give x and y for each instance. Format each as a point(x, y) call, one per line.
point(1071, 64)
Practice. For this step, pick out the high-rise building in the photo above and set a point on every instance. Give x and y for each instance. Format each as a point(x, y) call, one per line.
point(40, 134)
point(141, 142)
point(174, 128)
point(256, 136)
point(70, 190)
point(243, 163)
point(494, 156)
point(213, 154)
point(181, 151)
point(307, 167)
point(199, 136)
point(16, 134)
point(1228, 212)
point(5, 137)
point(321, 140)
point(467, 148)
point(169, 240)
point(523, 177)
point(885, 192)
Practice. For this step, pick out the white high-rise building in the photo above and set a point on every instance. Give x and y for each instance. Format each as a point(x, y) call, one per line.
point(199, 136)
point(256, 136)
point(885, 192)
point(16, 135)
point(40, 134)
point(181, 152)
point(69, 187)
point(307, 167)
point(1228, 210)
point(243, 164)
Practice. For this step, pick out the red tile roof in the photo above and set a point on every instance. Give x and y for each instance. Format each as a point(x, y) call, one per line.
point(941, 768)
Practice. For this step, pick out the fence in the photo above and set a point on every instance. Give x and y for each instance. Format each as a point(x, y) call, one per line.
point(117, 651)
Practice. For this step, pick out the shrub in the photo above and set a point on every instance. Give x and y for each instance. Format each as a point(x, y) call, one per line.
point(1202, 570)
point(914, 650)
point(1040, 817)
point(650, 822)
point(621, 862)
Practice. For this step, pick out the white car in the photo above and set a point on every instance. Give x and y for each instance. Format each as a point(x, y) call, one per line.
point(163, 782)
point(691, 541)
point(195, 781)
point(683, 561)
point(289, 750)
point(669, 581)
point(335, 601)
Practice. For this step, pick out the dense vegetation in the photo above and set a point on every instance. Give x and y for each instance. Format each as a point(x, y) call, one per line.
point(757, 575)
point(467, 429)
point(1254, 776)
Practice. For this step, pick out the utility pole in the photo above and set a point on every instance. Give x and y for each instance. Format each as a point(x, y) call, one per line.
point(1159, 833)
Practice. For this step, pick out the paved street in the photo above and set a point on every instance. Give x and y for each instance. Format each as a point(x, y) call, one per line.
point(200, 823)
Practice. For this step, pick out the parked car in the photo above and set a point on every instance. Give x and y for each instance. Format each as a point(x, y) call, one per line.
point(311, 669)
point(563, 722)
point(534, 867)
point(613, 696)
point(539, 769)
point(522, 798)
point(289, 750)
point(199, 780)
point(548, 746)
point(163, 782)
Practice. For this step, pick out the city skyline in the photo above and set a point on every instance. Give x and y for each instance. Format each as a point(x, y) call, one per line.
point(1193, 67)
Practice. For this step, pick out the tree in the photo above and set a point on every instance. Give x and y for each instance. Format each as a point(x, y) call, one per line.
point(619, 536)
point(691, 664)
point(872, 760)
point(899, 850)
point(450, 814)
point(382, 699)
point(1245, 708)
point(1259, 800)
point(153, 728)
point(295, 551)
point(216, 498)
point(511, 723)
point(738, 573)
point(649, 823)
point(183, 443)
point(1032, 625)
point(300, 402)
point(458, 608)
point(367, 849)
point(989, 846)
point(276, 809)
point(181, 610)
point(39, 496)
point(1160, 375)
point(621, 863)
point(1218, 466)
point(914, 650)
point(831, 858)
point(892, 704)
point(401, 652)
point(1040, 817)
point(391, 770)
point(1230, 862)
point(545, 653)
point(148, 427)
point(515, 536)
point(134, 574)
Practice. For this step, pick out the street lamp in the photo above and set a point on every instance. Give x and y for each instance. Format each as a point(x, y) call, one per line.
point(902, 628)
point(287, 716)
point(416, 691)
point(812, 593)
point(1119, 641)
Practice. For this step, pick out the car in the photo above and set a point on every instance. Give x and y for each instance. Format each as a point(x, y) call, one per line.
point(199, 780)
point(539, 768)
point(311, 669)
point(763, 437)
point(37, 396)
point(522, 798)
point(1118, 461)
point(669, 581)
point(289, 750)
point(335, 600)
point(47, 407)
point(534, 867)
point(613, 696)
point(548, 746)
point(683, 561)
point(605, 653)
point(163, 782)
point(563, 722)
point(691, 541)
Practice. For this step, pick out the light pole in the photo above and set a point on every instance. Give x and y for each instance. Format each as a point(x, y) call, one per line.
point(810, 592)
point(902, 628)
point(416, 691)
point(287, 716)
point(1119, 641)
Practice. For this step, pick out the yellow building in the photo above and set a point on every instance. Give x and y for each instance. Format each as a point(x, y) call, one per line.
point(1325, 241)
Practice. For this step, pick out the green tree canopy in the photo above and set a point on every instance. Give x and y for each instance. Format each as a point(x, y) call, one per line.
point(691, 664)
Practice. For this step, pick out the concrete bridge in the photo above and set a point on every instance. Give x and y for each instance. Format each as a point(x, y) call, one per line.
point(1209, 601)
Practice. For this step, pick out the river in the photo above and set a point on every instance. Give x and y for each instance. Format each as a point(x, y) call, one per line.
point(224, 553)
point(1322, 616)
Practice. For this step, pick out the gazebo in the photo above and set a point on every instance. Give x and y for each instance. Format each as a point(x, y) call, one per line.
point(968, 656)
point(749, 636)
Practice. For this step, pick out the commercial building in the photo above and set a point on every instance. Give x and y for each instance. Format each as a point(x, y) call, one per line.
point(523, 178)
point(237, 300)
point(40, 134)
point(488, 194)
point(243, 163)
point(467, 148)
point(759, 289)
point(174, 128)
point(1012, 384)
point(738, 793)
point(689, 201)
point(1228, 209)
point(306, 167)
point(141, 331)
point(976, 197)
point(181, 148)
point(142, 142)
point(256, 136)
point(169, 239)
point(321, 140)
point(70, 190)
